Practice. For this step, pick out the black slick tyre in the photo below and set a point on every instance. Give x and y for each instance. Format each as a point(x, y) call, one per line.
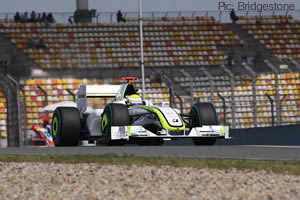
point(66, 126)
point(203, 114)
point(113, 115)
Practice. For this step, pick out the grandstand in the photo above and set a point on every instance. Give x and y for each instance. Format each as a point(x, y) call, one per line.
point(241, 63)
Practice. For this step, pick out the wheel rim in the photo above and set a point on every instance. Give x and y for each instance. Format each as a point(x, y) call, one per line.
point(104, 122)
point(55, 126)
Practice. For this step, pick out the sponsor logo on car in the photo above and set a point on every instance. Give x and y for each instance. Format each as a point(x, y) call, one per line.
point(174, 120)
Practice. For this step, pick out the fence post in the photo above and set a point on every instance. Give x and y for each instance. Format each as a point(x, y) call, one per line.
point(191, 85)
point(72, 94)
point(295, 63)
point(281, 100)
point(111, 17)
point(171, 91)
point(272, 108)
point(253, 77)
point(46, 97)
point(224, 107)
point(211, 85)
point(25, 111)
point(277, 101)
point(232, 93)
point(19, 108)
point(172, 94)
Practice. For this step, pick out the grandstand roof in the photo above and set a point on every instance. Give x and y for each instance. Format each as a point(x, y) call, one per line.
point(112, 6)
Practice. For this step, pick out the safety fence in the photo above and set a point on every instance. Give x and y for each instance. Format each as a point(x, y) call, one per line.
point(262, 100)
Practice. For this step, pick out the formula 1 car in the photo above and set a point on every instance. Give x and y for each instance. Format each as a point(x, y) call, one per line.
point(38, 137)
point(130, 119)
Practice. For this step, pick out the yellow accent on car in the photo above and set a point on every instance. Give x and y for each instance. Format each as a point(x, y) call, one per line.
point(129, 130)
point(135, 96)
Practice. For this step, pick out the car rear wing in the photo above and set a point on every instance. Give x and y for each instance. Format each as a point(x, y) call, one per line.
point(94, 91)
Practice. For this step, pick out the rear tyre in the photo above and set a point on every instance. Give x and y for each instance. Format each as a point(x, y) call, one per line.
point(66, 126)
point(203, 114)
point(113, 115)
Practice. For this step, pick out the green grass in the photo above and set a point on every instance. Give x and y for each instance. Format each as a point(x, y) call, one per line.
point(289, 167)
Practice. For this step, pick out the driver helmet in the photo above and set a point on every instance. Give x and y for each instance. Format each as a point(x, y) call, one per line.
point(45, 122)
point(134, 99)
point(46, 119)
point(35, 128)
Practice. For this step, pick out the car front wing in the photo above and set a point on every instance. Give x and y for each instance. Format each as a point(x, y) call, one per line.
point(125, 132)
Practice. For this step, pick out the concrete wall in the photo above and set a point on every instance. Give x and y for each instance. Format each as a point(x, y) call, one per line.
point(279, 135)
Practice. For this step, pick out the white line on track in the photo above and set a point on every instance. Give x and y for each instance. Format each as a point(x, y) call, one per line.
point(274, 146)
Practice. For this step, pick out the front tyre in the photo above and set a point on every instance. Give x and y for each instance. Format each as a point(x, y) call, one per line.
point(113, 115)
point(66, 126)
point(203, 114)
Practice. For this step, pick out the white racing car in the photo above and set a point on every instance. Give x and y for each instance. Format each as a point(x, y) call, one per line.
point(130, 119)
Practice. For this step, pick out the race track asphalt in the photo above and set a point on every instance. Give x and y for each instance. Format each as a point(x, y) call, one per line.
point(210, 152)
